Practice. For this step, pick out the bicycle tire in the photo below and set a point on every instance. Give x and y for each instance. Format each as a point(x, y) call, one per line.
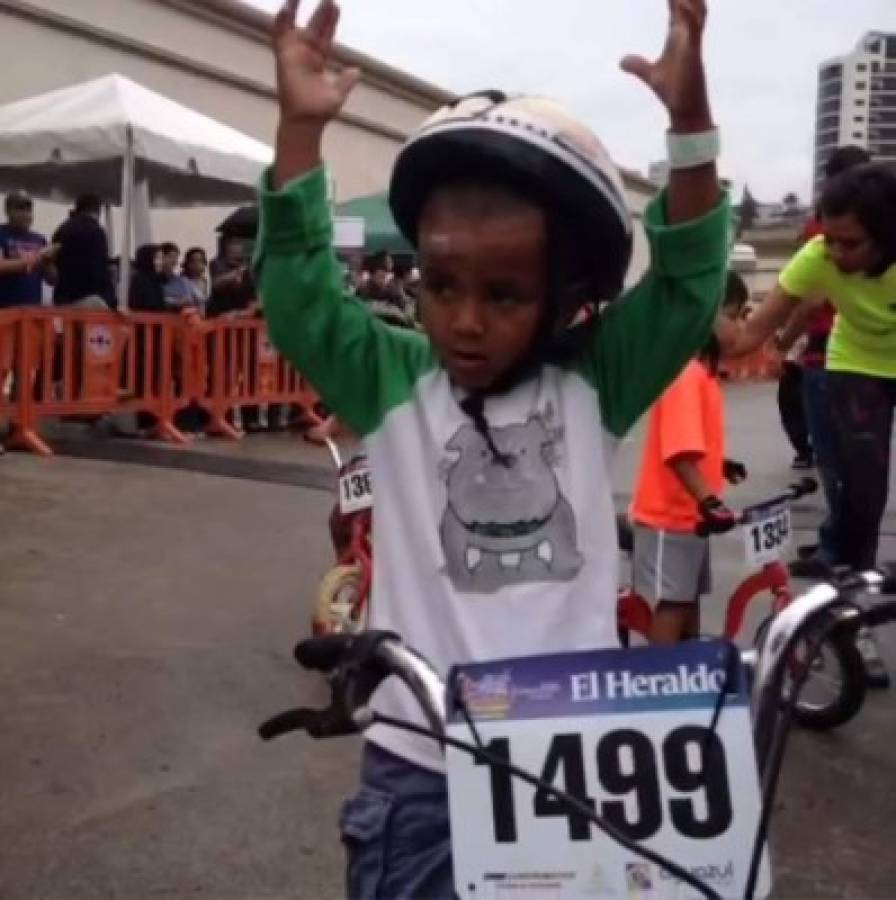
point(846, 705)
point(851, 697)
point(336, 597)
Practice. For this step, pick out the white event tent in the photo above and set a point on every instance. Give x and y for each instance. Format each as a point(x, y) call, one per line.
point(131, 146)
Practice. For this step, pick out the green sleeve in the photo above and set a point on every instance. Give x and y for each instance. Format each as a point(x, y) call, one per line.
point(645, 338)
point(360, 366)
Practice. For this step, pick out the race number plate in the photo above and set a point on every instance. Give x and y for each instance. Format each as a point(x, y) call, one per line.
point(766, 530)
point(627, 731)
point(356, 488)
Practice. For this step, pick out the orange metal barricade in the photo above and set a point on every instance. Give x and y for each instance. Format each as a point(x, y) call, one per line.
point(85, 364)
point(246, 370)
point(65, 363)
point(763, 364)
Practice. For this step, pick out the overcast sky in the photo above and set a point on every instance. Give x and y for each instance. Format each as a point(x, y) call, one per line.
point(762, 58)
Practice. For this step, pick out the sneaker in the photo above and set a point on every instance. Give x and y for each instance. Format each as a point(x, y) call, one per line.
point(802, 461)
point(810, 567)
point(876, 674)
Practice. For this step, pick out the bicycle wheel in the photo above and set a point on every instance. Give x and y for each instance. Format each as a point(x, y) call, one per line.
point(834, 690)
point(337, 601)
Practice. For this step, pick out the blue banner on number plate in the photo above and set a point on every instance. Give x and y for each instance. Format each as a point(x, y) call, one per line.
point(686, 676)
point(762, 511)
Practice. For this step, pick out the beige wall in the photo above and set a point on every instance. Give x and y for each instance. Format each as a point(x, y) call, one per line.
point(218, 63)
point(60, 42)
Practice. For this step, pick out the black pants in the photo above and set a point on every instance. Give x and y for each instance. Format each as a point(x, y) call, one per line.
point(862, 407)
point(792, 409)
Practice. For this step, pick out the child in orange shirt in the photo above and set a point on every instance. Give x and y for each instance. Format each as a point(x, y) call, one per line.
point(681, 478)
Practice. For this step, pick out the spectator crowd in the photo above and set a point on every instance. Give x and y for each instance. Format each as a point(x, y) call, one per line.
point(74, 268)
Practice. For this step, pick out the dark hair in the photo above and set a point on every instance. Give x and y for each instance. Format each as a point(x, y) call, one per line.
point(736, 291)
point(18, 200)
point(736, 294)
point(192, 252)
point(144, 260)
point(376, 262)
point(88, 203)
point(868, 192)
point(167, 247)
point(711, 353)
point(844, 158)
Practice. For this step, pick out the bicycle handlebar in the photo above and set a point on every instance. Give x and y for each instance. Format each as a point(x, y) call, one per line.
point(794, 623)
point(801, 488)
point(357, 664)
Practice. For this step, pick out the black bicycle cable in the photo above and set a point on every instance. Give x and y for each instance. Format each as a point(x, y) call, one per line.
point(776, 750)
point(731, 655)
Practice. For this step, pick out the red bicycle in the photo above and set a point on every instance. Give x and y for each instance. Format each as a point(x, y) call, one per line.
point(344, 590)
point(835, 686)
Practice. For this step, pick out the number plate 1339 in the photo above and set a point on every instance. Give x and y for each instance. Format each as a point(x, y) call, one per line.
point(628, 732)
point(766, 532)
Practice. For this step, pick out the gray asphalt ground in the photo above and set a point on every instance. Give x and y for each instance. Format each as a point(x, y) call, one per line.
point(147, 617)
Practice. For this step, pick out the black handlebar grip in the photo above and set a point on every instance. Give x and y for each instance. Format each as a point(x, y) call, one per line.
point(323, 653)
point(319, 723)
point(888, 570)
point(806, 485)
point(880, 614)
point(283, 723)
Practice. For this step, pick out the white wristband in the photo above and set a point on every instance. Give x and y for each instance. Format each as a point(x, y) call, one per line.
point(687, 151)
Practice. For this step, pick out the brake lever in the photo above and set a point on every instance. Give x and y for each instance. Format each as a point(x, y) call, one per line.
point(319, 723)
point(805, 486)
point(354, 671)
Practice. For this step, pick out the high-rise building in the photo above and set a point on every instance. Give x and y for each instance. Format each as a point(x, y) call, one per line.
point(857, 102)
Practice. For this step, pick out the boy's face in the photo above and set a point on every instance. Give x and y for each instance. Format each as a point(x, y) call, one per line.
point(733, 310)
point(483, 281)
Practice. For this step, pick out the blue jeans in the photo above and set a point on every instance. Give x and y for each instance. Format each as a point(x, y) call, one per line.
point(824, 443)
point(396, 832)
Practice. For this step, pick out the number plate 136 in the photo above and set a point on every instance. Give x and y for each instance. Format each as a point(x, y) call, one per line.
point(628, 732)
point(356, 488)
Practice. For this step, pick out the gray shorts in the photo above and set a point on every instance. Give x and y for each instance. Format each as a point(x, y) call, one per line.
point(671, 566)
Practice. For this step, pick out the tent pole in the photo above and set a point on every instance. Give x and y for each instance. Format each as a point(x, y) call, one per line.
point(127, 217)
point(108, 225)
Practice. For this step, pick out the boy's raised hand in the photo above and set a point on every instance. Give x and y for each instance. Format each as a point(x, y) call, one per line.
point(679, 80)
point(678, 77)
point(310, 93)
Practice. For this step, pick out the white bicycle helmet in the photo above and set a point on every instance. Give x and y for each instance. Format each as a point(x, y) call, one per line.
point(537, 149)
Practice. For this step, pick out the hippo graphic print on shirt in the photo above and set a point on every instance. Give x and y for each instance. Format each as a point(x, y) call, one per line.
point(506, 521)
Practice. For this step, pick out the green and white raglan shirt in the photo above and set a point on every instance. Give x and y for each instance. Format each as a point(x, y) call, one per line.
point(474, 559)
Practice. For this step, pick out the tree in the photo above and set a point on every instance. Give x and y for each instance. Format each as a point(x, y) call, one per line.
point(747, 211)
point(791, 204)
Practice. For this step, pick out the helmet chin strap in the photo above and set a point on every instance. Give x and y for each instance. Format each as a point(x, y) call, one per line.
point(474, 406)
point(553, 343)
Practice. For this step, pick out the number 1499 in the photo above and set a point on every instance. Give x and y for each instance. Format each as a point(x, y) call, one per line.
point(691, 759)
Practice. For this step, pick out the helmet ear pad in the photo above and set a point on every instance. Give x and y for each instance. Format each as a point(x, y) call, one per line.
point(478, 154)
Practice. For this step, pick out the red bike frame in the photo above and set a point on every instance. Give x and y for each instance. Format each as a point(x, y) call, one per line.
point(634, 613)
